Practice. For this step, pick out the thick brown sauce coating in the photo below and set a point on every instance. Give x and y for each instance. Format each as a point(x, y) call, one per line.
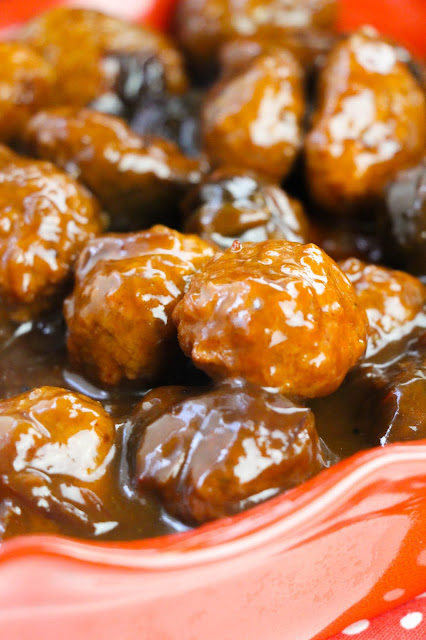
point(36, 351)
point(79, 43)
point(26, 85)
point(395, 393)
point(138, 179)
point(278, 314)
point(56, 449)
point(202, 26)
point(392, 299)
point(370, 123)
point(231, 204)
point(253, 119)
point(45, 219)
point(210, 453)
point(308, 46)
point(381, 400)
point(404, 219)
point(119, 313)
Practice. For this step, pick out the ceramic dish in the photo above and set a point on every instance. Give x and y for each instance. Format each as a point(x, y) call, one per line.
point(347, 545)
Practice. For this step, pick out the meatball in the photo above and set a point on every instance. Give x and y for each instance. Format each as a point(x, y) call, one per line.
point(391, 299)
point(253, 119)
point(370, 123)
point(26, 85)
point(279, 314)
point(138, 180)
point(234, 205)
point(405, 219)
point(202, 26)
point(45, 218)
point(56, 451)
point(85, 46)
point(210, 453)
point(119, 314)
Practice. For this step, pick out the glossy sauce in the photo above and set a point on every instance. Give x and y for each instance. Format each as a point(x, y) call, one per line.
point(36, 352)
point(265, 104)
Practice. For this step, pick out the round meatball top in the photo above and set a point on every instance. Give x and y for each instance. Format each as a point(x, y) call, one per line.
point(126, 287)
point(279, 314)
point(56, 448)
point(253, 118)
point(370, 123)
point(211, 453)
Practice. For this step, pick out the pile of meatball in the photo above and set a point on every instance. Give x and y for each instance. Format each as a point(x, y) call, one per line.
point(249, 195)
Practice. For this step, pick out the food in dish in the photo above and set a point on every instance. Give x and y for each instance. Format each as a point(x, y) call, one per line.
point(160, 377)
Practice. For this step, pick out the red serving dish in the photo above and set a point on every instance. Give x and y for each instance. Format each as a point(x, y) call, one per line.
point(301, 566)
point(347, 545)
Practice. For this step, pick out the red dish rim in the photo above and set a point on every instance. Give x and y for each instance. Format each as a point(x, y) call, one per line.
point(280, 517)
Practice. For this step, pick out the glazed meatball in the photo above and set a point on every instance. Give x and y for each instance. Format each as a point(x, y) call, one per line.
point(138, 180)
point(56, 450)
point(119, 314)
point(85, 46)
point(391, 299)
point(213, 453)
point(26, 85)
point(370, 123)
point(234, 205)
point(253, 119)
point(202, 26)
point(279, 314)
point(405, 218)
point(45, 218)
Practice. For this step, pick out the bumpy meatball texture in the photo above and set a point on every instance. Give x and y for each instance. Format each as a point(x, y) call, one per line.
point(119, 314)
point(253, 119)
point(84, 47)
point(45, 218)
point(391, 299)
point(26, 85)
point(279, 314)
point(370, 123)
point(56, 448)
point(139, 180)
point(234, 205)
point(212, 453)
